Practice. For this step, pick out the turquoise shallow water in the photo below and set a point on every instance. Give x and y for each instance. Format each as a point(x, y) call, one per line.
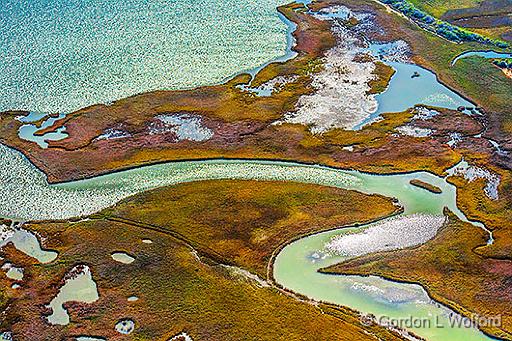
point(28, 196)
point(401, 304)
point(62, 55)
point(405, 92)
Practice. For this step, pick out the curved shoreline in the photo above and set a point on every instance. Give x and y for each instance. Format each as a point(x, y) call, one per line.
point(241, 159)
point(290, 36)
point(436, 298)
point(459, 309)
point(270, 266)
point(290, 51)
point(217, 260)
point(290, 54)
point(376, 115)
point(283, 162)
point(354, 187)
point(268, 161)
point(254, 160)
point(258, 25)
point(469, 52)
point(440, 302)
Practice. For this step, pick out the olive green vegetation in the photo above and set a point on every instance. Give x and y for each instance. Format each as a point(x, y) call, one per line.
point(426, 186)
point(475, 77)
point(487, 20)
point(450, 270)
point(179, 291)
point(244, 120)
point(475, 74)
point(472, 199)
point(244, 222)
point(383, 74)
point(439, 7)
point(493, 32)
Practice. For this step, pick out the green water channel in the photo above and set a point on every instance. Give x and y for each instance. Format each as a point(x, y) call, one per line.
point(31, 197)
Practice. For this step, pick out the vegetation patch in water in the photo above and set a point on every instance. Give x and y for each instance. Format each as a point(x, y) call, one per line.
point(426, 185)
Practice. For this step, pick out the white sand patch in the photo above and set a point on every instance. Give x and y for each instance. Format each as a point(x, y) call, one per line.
point(425, 114)
point(391, 234)
point(185, 126)
point(340, 99)
point(6, 336)
point(6, 232)
point(236, 271)
point(112, 134)
point(182, 336)
point(409, 130)
point(472, 173)
point(455, 138)
point(334, 12)
point(395, 51)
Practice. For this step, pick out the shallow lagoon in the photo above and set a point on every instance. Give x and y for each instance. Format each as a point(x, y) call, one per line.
point(122, 257)
point(296, 268)
point(29, 129)
point(79, 287)
point(84, 197)
point(27, 243)
point(405, 91)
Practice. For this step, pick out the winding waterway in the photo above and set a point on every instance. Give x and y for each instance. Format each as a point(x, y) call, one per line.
point(27, 195)
point(484, 54)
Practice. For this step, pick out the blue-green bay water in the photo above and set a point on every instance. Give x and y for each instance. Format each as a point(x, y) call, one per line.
point(62, 55)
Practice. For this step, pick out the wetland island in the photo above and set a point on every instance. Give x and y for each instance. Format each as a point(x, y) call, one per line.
point(256, 170)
